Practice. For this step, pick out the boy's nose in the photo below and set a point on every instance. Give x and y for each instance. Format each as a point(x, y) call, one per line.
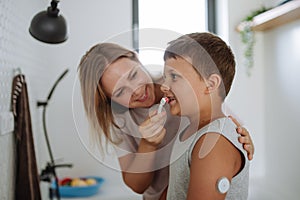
point(164, 87)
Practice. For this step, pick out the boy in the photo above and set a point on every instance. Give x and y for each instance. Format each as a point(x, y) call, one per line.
point(208, 161)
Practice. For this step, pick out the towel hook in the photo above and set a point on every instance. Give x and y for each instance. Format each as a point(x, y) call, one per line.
point(17, 71)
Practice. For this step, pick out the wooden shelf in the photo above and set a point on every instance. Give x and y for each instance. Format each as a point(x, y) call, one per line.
point(275, 17)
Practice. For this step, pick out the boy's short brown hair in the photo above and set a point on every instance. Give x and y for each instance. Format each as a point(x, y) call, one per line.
point(209, 54)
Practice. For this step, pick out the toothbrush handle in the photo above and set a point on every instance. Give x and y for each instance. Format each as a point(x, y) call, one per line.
point(159, 109)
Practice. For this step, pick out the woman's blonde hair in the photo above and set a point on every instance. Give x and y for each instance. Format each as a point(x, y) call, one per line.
point(98, 106)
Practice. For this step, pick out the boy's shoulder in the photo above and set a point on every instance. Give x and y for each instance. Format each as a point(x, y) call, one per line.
point(217, 141)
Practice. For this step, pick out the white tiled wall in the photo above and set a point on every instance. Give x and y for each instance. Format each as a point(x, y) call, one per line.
point(6, 141)
point(42, 64)
point(19, 50)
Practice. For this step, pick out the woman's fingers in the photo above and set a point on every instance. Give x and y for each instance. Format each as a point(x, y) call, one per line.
point(243, 131)
point(245, 138)
point(152, 113)
point(152, 129)
point(250, 150)
point(235, 121)
point(156, 137)
point(152, 124)
point(161, 136)
point(149, 131)
point(153, 118)
point(248, 145)
point(158, 118)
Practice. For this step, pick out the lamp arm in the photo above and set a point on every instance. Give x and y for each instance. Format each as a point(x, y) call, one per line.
point(46, 135)
point(55, 84)
point(53, 171)
point(44, 104)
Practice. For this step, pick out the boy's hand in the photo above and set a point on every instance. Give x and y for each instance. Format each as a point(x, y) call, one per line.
point(245, 138)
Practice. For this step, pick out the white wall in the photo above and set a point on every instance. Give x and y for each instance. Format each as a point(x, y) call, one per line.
point(282, 86)
point(89, 22)
point(19, 50)
point(267, 102)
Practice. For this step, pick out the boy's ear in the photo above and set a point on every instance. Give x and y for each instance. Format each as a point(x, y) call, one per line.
point(213, 82)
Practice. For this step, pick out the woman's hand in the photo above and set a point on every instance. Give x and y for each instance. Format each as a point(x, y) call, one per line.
point(245, 138)
point(152, 129)
point(138, 168)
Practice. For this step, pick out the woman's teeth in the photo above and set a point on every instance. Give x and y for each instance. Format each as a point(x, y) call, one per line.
point(142, 98)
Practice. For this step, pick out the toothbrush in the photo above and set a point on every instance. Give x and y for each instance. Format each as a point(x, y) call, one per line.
point(163, 101)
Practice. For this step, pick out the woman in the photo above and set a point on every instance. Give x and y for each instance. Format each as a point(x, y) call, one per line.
point(120, 100)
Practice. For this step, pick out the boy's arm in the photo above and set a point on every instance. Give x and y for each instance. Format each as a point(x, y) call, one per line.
point(213, 157)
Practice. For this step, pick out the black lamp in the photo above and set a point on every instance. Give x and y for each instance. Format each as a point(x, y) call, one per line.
point(48, 26)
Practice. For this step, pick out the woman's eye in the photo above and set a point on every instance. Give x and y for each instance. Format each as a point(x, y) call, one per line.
point(120, 93)
point(133, 75)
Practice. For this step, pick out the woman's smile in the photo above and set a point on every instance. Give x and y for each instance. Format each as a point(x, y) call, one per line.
point(143, 97)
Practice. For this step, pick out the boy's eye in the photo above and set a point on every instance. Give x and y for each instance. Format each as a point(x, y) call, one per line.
point(173, 76)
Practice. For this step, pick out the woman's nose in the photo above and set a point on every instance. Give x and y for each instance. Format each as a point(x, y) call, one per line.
point(137, 91)
point(138, 86)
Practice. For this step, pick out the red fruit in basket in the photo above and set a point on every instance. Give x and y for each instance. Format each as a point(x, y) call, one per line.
point(65, 181)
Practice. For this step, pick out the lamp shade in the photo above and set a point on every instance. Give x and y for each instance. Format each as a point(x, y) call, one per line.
point(49, 27)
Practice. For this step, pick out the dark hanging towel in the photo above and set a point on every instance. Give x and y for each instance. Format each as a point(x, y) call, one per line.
point(27, 185)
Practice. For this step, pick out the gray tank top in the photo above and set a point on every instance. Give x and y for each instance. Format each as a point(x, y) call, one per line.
point(181, 157)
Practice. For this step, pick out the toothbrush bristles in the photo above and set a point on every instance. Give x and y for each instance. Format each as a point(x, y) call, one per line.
point(167, 99)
